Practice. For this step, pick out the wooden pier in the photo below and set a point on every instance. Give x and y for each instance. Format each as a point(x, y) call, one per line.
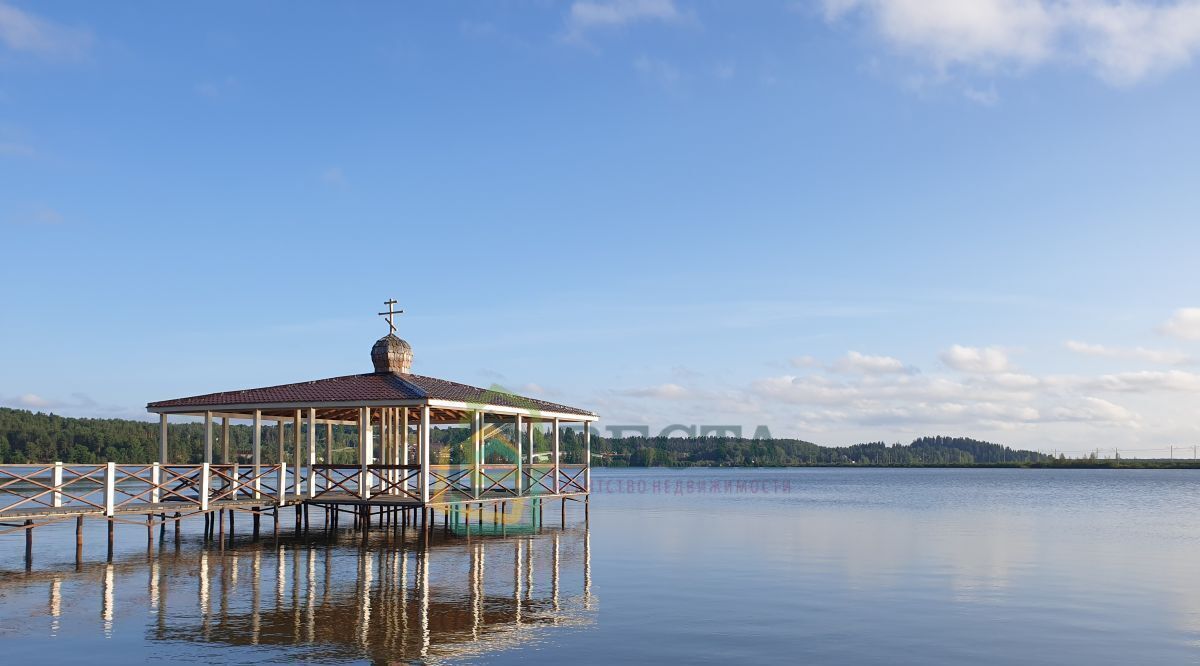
point(400, 467)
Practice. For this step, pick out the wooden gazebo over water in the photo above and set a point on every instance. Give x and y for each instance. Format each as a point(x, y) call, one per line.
point(394, 413)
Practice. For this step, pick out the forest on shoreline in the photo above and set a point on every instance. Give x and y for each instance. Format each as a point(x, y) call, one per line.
point(33, 437)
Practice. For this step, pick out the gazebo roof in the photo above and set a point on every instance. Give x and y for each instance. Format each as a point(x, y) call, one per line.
point(369, 388)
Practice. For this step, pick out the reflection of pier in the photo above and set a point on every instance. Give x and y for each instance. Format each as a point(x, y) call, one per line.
point(399, 597)
point(386, 446)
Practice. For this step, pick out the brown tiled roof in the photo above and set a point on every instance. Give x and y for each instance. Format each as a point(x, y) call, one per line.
point(374, 386)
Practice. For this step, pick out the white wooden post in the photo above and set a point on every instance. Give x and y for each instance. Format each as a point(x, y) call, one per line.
point(205, 485)
point(225, 440)
point(520, 466)
point(423, 440)
point(155, 481)
point(476, 462)
point(162, 439)
point(110, 489)
point(404, 447)
point(297, 453)
point(56, 482)
point(312, 451)
point(383, 445)
point(282, 499)
point(587, 456)
point(208, 436)
point(257, 453)
point(556, 463)
point(328, 443)
point(366, 452)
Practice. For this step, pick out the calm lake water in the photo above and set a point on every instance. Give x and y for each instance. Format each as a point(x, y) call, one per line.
point(847, 566)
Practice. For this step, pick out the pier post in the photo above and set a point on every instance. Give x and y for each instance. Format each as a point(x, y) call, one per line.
point(28, 544)
point(205, 480)
point(56, 483)
point(78, 541)
point(257, 518)
point(149, 530)
point(110, 539)
point(110, 489)
point(155, 482)
point(520, 466)
point(282, 499)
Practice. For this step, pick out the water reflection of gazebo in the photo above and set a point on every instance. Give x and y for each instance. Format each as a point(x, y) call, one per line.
point(401, 603)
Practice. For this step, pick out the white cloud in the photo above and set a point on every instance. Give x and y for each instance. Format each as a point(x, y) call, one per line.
point(1121, 41)
point(585, 16)
point(979, 360)
point(1094, 410)
point(1146, 381)
point(31, 401)
point(26, 33)
point(1183, 324)
point(856, 362)
point(662, 391)
point(1166, 357)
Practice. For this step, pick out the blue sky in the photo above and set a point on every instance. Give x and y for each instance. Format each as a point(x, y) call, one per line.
point(846, 220)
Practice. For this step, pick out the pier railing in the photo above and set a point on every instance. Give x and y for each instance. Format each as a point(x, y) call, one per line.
point(108, 489)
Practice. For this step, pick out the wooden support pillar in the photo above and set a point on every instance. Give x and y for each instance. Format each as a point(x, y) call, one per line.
point(225, 441)
point(312, 451)
point(477, 454)
point(404, 447)
point(423, 441)
point(297, 455)
point(520, 464)
point(162, 440)
point(28, 544)
point(208, 437)
point(366, 452)
point(328, 443)
point(383, 439)
point(256, 453)
point(587, 457)
point(556, 461)
point(78, 539)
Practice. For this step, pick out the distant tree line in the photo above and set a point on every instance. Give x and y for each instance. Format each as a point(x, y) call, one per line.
point(28, 437)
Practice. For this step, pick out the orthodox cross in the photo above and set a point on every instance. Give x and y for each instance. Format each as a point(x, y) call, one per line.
point(391, 314)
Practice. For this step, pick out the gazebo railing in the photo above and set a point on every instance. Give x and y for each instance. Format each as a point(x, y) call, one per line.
point(539, 479)
point(390, 480)
point(447, 479)
point(572, 478)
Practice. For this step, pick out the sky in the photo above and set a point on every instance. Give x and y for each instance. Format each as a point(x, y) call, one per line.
point(843, 220)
